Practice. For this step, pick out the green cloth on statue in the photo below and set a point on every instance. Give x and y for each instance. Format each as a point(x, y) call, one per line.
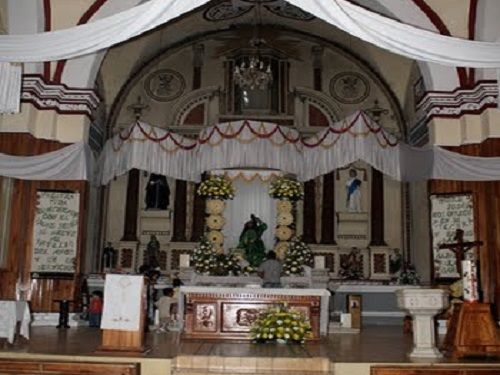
point(251, 242)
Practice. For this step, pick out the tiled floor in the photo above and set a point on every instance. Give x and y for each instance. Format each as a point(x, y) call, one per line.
point(386, 344)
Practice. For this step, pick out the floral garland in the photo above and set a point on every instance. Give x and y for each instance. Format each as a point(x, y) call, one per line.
point(286, 189)
point(216, 187)
point(297, 256)
point(281, 324)
point(208, 261)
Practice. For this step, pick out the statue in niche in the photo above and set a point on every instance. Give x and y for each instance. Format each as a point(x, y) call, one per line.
point(109, 257)
point(153, 254)
point(157, 192)
point(351, 265)
point(353, 190)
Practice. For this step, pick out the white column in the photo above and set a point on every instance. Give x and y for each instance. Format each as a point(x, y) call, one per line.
point(423, 305)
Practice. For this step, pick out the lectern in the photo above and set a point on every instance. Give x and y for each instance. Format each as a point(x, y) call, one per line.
point(123, 315)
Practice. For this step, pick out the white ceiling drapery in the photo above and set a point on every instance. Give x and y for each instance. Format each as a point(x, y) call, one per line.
point(381, 31)
point(254, 144)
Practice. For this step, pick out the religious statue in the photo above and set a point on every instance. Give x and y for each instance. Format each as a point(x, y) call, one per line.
point(109, 257)
point(251, 241)
point(395, 262)
point(153, 253)
point(353, 188)
point(157, 192)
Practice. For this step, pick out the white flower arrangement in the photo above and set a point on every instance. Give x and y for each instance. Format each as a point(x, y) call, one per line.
point(298, 255)
point(215, 237)
point(286, 189)
point(216, 187)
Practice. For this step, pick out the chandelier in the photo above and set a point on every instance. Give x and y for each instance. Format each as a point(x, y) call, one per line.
point(253, 74)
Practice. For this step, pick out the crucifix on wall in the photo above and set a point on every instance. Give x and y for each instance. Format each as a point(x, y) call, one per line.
point(460, 248)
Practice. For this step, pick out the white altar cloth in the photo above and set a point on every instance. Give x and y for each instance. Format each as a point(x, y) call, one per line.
point(323, 293)
point(12, 312)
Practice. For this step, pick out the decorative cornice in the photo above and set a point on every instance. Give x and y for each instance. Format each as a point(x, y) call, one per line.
point(458, 102)
point(58, 97)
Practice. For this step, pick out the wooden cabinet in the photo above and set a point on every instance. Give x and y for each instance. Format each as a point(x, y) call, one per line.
point(18, 367)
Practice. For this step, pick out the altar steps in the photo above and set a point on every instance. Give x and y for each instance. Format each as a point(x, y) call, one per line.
point(218, 365)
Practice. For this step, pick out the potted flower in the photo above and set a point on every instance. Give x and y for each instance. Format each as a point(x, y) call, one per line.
point(281, 324)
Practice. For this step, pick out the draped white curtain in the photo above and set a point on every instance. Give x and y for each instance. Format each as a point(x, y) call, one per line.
point(381, 31)
point(251, 197)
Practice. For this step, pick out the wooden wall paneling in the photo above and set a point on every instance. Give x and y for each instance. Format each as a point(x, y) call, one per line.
point(486, 215)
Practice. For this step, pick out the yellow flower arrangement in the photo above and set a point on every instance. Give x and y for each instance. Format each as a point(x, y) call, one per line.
point(280, 249)
point(284, 233)
point(215, 206)
point(216, 187)
point(284, 218)
point(215, 222)
point(286, 189)
point(280, 323)
point(284, 206)
point(216, 237)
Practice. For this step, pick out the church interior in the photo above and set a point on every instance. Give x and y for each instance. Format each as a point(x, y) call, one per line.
point(328, 164)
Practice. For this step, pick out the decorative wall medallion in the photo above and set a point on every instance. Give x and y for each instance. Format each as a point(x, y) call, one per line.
point(164, 85)
point(289, 11)
point(349, 87)
point(225, 11)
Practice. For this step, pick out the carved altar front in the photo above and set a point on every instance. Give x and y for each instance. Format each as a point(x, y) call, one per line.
point(228, 313)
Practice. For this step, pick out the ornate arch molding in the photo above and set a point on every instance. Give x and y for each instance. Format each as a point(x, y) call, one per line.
point(320, 100)
point(191, 100)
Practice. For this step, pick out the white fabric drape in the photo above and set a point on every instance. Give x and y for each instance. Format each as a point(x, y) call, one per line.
point(251, 197)
point(73, 162)
point(150, 149)
point(357, 137)
point(94, 36)
point(247, 144)
point(403, 39)
point(10, 87)
point(252, 144)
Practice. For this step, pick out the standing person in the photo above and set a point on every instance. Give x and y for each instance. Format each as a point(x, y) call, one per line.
point(270, 271)
point(164, 305)
point(95, 309)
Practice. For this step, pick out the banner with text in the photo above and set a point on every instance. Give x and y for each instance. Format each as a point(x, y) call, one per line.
point(55, 232)
point(449, 212)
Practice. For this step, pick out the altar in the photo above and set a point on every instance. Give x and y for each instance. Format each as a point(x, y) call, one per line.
point(228, 313)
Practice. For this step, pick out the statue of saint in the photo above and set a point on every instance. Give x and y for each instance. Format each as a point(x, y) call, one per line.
point(251, 241)
point(157, 192)
point(109, 257)
point(353, 188)
point(153, 253)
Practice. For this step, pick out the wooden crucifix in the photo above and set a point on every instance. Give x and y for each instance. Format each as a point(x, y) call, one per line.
point(459, 248)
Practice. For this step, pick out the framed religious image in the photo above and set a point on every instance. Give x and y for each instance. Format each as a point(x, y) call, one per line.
point(354, 308)
point(449, 212)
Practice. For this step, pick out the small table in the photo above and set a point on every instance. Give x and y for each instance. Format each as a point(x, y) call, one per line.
point(63, 312)
point(12, 312)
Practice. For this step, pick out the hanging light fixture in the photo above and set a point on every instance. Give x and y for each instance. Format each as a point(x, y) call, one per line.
point(252, 72)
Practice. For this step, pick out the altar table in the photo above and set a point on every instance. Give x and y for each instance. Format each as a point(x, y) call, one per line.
point(228, 313)
point(12, 312)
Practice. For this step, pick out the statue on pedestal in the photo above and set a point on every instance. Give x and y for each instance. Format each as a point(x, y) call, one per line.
point(251, 241)
point(109, 257)
point(157, 192)
point(153, 254)
point(353, 188)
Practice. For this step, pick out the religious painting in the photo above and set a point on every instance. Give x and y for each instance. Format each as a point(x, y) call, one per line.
point(206, 317)
point(449, 212)
point(239, 317)
point(164, 85)
point(349, 87)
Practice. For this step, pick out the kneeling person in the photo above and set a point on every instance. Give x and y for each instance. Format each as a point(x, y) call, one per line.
point(270, 271)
